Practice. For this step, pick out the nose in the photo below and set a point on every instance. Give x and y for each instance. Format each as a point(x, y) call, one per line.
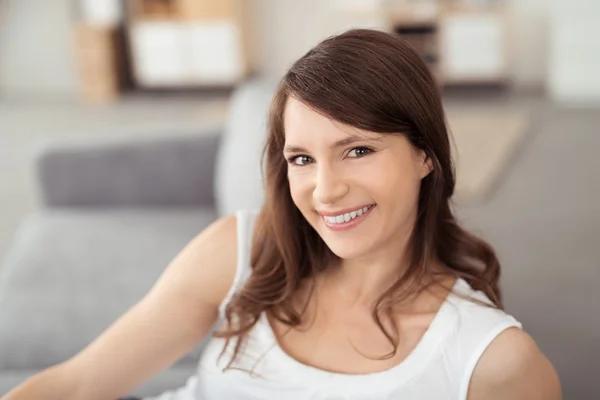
point(329, 186)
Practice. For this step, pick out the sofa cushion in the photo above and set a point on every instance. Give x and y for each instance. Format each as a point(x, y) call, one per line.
point(70, 274)
point(238, 183)
point(166, 171)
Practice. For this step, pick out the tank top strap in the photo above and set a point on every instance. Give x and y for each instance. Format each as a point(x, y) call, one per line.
point(477, 327)
point(245, 228)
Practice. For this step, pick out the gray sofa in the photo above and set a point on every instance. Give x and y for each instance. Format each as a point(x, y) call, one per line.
point(113, 217)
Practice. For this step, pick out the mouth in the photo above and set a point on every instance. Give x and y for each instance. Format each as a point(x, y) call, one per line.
point(347, 220)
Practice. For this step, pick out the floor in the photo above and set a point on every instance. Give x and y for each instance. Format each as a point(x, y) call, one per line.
point(543, 217)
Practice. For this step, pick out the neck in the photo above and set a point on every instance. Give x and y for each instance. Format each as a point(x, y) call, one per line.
point(362, 280)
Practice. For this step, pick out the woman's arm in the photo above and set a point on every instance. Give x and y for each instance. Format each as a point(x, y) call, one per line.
point(513, 367)
point(176, 313)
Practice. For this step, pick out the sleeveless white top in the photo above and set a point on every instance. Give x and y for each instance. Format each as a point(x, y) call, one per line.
point(439, 367)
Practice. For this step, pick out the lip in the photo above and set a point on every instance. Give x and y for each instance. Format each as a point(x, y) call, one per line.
point(350, 224)
point(344, 211)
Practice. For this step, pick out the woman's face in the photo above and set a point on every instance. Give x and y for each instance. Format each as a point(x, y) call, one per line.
point(358, 189)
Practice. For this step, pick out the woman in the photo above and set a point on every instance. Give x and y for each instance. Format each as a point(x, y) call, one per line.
point(353, 282)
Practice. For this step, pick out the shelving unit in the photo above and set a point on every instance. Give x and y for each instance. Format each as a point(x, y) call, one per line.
point(463, 41)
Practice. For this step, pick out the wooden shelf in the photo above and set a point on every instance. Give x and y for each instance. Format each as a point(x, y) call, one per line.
point(460, 7)
point(182, 10)
point(405, 14)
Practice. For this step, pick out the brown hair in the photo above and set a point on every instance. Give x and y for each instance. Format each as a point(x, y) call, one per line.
point(374, 81)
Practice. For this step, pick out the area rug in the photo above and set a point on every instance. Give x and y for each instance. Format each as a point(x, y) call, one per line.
point(485, 142)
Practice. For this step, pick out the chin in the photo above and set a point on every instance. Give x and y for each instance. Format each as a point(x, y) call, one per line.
point(346, 253)
point(346, 249)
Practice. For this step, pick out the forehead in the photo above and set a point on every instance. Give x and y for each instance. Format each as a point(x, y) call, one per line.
point(302, 123)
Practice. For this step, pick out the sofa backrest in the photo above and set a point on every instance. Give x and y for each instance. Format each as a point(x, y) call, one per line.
point(238, 175)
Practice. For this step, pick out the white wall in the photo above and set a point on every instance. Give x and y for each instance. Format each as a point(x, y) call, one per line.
point(530, 31)
point(36, 49)
point(283, 30)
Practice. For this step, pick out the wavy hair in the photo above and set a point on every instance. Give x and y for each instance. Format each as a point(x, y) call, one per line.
point(373, 81)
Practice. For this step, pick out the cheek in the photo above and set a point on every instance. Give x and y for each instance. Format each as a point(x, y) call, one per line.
point(395, 185)
point(299, 190)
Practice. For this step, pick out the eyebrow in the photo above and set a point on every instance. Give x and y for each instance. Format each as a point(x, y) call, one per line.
point(340, 143)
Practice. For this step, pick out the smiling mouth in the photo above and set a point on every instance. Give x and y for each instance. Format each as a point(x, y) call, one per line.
point(347, 220)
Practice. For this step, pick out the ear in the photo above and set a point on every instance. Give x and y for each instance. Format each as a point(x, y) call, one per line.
point(426, 165)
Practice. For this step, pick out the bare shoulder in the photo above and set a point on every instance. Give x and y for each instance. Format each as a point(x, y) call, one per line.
point(513, 367)
point(206, 265)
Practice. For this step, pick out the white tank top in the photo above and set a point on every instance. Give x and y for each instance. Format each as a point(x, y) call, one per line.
point(439, 367)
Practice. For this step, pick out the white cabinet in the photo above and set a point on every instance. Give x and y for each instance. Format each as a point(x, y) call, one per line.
point(216, 53)
point(158, 54)
point(473, 47)
point(186, 53)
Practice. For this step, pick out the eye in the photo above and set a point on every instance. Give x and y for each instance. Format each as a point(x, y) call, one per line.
point(300, 160)
point(359, 152)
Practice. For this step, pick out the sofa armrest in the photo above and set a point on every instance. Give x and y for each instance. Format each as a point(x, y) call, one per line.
point(174, 171)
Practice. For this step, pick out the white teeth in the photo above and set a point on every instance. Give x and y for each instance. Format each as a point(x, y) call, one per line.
point(338, 219)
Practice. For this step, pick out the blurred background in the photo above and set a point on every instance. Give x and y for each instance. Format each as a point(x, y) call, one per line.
point(101, 101)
